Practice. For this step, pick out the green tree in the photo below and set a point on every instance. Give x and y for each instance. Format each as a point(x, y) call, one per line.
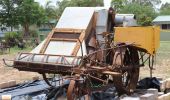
point(8, 13)
point(50, 10)
point(50, 13)
point(78, 3)
point(164, 10)
point(144, 14)
point(144, 10)
point(118, 4)
point(30, 12)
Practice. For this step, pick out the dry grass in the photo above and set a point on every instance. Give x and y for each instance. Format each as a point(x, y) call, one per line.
point(162, 63)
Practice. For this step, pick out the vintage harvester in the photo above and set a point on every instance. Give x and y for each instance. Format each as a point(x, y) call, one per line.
point(95, 49)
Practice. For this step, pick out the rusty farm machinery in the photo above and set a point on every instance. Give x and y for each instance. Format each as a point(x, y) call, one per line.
point(95, 49)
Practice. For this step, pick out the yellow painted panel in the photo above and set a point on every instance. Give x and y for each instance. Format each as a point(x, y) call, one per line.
point(143, 37)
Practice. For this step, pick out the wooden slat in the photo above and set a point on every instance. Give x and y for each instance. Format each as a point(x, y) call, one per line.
point(111, 73)
point(77, 47)
point(47, 42)
point(98, 68)
point(68, 30)
point(63, 39)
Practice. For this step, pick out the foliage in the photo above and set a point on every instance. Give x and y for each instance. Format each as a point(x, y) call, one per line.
point(30, 13)
point(50, 11)
point(12, 38)
point(165, 9)
point(34, 33)
point(8, 15)
point(145, 14)
point(79, 3)
point(145, 11)
point(118, 4)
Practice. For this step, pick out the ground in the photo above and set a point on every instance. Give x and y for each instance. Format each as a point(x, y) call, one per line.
point(162, 66)
point(8, 73)
point(162, 62)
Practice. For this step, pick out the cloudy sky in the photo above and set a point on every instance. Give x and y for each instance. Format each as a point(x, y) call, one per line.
point(107, 2)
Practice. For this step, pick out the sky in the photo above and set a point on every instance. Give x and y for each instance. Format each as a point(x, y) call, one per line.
point(164, 1)
point(106, 2)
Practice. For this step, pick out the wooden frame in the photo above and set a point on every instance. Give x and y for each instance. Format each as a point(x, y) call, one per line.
point(83, 35)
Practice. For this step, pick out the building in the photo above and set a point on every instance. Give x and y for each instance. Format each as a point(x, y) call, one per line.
point(4, 29)
point(46, 28)
point(163, 22)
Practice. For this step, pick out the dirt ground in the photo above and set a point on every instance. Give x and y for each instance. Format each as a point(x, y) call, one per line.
point(8, 73)
point(160, 70)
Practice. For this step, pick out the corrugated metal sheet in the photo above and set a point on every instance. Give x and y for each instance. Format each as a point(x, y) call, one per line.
point(76, 17)
point(101, 25)
point(162, 20)
point(119, 18)
point(60, 47)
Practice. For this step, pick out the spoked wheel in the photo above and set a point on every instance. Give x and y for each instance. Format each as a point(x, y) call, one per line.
point(71, 91)
point(52, 79)
point(74, 92)
point(126, 61)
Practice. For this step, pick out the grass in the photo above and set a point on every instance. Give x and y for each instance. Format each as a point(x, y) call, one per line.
point(163, 52)
point(162, 62)
point(15, 50)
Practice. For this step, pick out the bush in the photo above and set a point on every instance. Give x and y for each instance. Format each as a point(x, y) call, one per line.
point(33, 33)
point(12, 38)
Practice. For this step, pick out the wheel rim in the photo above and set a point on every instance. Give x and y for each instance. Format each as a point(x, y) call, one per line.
point(126, 58)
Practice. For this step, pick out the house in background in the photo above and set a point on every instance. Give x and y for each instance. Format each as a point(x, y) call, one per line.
point(4, 29)
point(163, 22)
point(46, 28)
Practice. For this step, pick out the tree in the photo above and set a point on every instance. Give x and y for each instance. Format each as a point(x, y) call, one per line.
point(30, 12)
point(118, 4)
point(164, 10)
point(78, 3)
point(8, 13)
point(50, 13)
point(145, 11)
point(144, 14)
point(50, 10)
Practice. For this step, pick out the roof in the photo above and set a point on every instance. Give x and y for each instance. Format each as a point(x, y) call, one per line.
point(162, 20)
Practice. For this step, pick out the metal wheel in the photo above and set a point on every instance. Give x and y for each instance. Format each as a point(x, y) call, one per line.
point(73, 92)
point(126, 61)
point(52, 79)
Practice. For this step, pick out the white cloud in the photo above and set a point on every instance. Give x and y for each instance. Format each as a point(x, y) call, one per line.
point(164, 1)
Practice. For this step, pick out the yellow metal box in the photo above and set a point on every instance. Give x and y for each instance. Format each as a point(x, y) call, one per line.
point(147, 38)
